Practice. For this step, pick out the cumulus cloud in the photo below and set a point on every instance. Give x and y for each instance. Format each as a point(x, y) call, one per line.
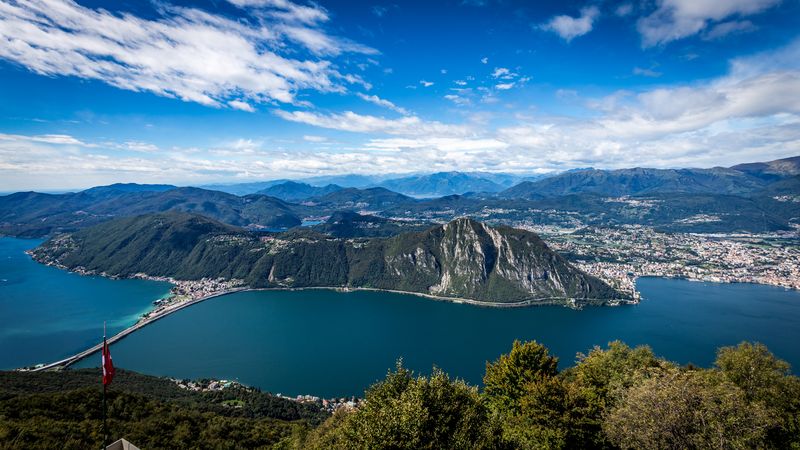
point(569, 27)
point(186, 53)
point(677, 19)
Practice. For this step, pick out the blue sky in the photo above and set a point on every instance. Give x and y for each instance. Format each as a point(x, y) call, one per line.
point(95, 92)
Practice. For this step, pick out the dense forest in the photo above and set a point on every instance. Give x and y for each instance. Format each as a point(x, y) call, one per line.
point(614, 397)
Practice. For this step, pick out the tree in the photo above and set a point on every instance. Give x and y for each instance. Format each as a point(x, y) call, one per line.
point(753, 368)
point(404, 412)
point(686, 409)
point(506, 379)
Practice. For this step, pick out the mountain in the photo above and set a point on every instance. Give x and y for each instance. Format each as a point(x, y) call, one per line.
point(347, 180)
point(349, 224)
point(772, 170)
point(441, 183)
point(639, 181)
point(242, 188)
point(373, 199)
point(463, 258)
point(292, 191)
point(121, 188)
point(31, 214)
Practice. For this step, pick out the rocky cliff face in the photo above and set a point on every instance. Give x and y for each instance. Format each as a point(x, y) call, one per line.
point(466, 258)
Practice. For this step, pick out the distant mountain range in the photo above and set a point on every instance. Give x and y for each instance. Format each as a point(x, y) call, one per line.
point(33, 214)
point(463, 258)
point(757, 197)
point(651, 181)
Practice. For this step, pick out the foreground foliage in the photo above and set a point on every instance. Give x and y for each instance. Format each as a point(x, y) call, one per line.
point(618, 397)
point(614, 397)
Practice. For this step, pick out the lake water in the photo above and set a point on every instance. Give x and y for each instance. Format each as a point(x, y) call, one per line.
point(47, 314)
point(331, 344)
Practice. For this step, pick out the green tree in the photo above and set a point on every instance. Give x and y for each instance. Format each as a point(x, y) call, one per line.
point(753, 368)
point(404, 412)
point(686, 409)
point(506, 379)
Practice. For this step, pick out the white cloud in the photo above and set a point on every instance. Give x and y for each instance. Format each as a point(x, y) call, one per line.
point(382, 102)
point(313, 138)
point(426, 83)
point(646, 72)
point(485, 60)
point(243, 106)
point(350, 121)
point(624, 10)
point(677, 19)
point(502, 72)
point(287, 10)
point(457, 99)
point(571, 27)
point(186, 53)
point(504, 86)
point(723, 29)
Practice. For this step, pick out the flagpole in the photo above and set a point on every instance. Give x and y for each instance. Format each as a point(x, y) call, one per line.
point(102, 369)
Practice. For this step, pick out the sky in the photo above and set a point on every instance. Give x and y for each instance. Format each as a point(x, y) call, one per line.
point(224, 91)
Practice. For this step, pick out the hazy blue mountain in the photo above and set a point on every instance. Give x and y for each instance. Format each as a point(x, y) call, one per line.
point(293, 191)
point(243, 188)
point(463, 258)
point(121, 188)
point(638, 181)
point(347, 180)
point(373, 199)
point(772, 170)
point(439, 184)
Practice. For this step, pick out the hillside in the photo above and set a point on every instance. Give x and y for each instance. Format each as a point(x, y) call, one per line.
point(441, 183)
point(463, 258)
point(292, 191)
point(372, 199)
point(349, 224)
point(31, 214)
point(772, 170)
point(638, 181)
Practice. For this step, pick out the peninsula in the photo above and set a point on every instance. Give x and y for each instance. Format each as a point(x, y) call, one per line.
point(463, 259)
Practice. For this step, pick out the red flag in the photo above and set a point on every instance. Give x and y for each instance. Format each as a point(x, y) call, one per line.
point(108, 366)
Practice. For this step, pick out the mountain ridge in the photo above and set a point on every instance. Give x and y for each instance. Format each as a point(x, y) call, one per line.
point(461, 259)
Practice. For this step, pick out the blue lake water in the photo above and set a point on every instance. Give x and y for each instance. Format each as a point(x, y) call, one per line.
point(330, 343)
point(47, 314)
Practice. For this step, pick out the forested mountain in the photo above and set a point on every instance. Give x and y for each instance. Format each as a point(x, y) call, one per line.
point(638, 181)
point(34, 214)
point(441, 183)
point(346, 224)
point(463, 258)
point(293, 192)
point(772, 170)
point(741, 179)
point(373, 199)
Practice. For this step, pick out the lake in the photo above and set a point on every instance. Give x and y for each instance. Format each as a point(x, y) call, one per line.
point(333, 344)
point(47, 314)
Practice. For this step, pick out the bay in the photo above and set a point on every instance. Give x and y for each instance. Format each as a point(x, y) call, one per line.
point(330, 343)
point(47, 314)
